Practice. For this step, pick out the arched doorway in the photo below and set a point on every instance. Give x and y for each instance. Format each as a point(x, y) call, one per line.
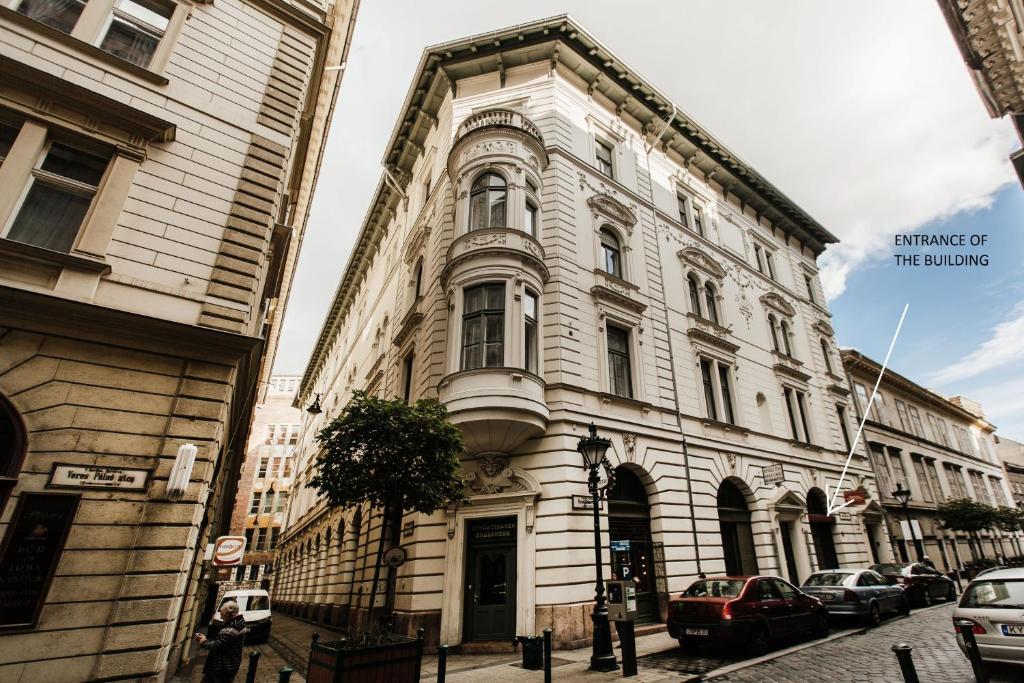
point(12, 448)
point(629, 526)
point(737, 536)
point(821, 529)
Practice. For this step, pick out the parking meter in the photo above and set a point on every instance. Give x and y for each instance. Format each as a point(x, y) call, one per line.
point(621, 600)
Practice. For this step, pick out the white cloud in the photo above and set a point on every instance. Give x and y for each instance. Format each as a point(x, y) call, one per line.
point(1004, 346)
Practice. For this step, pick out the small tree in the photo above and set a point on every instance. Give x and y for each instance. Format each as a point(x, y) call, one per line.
point(967, 515)
point(393, 456)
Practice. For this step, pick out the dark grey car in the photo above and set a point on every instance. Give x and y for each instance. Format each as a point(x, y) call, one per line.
point(856, 592)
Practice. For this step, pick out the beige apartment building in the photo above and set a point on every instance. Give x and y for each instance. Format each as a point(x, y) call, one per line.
point(1011, 455)
point(264, 484)
point(555, 243)
point(940, 448)
point(157, 159)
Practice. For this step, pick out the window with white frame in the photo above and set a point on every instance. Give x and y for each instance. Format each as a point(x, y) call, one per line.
point(531, 214)
point(488, 201)
point(620, 371)
point(603, 152)
point(261, 471)
point(483, 326)
point(763, 261)
point(796, 407)
point(530, 331)
point(255, 502)
point(698, 219)
point(611, 253)
point(683, 203)
point(716, 381)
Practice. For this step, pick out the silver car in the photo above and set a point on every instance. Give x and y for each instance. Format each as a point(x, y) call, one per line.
point(993, 605)
point(856, 592)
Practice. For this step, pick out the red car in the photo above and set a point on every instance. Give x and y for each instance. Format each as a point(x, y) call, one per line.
point(750, 611)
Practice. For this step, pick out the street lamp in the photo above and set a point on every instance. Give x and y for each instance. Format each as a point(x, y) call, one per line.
point(593, 449)
point(902, 497)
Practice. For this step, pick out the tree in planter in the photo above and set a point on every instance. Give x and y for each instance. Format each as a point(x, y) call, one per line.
point(392, 456)
point(967, 515)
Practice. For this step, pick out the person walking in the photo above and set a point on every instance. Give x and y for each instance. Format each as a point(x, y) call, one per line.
point(224, 640)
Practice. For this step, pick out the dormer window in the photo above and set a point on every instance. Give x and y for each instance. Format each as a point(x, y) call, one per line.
point(488, 202)
point(611, 260)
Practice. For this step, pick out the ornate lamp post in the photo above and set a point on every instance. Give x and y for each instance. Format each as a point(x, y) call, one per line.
point(593, 449)
point(902, 497)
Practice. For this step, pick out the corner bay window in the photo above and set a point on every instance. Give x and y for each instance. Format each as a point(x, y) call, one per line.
point(487, 202)
point(483, 327)
point(717, 390)
point(620, 378)
point(611, 260)
point(61, 189)
point(530, 332)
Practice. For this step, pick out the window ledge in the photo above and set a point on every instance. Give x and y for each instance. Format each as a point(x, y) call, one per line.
point(726, 426)
point(806, 446)
point(20, 19)
point(616, 280)
point(34, 253)
point(608, 397)
point(786, 358)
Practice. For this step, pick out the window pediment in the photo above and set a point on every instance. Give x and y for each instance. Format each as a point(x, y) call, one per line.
point(777, 303)
point(609, 207)
point(698, 259)
point(824, 328)
point(619, 296)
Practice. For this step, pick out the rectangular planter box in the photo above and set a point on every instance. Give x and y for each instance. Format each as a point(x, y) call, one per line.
point(397, 662)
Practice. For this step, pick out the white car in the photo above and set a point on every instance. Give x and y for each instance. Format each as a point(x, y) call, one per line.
point(993, 604)
point(254, 606)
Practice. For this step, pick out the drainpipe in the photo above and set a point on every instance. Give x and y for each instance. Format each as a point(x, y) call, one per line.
point(671, 358)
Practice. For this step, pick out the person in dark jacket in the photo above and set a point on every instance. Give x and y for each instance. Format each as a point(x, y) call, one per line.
point(224, 640)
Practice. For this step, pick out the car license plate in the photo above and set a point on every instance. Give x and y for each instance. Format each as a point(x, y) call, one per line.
point(1013, 629)
point(828, 597)
point(700, 632)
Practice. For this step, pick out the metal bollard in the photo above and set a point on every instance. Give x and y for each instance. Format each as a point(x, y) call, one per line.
point(966, 629)
point(284, 675)
point(547, 655)
point(906, 661)
point(442, 662)
point(254, 662)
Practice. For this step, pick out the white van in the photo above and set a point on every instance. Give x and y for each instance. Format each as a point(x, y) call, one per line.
point(254, 606)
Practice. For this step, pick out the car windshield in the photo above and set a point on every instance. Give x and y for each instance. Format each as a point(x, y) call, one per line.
point(715, 588)
point(828, 579)
point(888, 568)
point(995, 594)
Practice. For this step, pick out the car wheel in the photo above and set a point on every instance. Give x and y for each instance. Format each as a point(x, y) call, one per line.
point(926, 598)
point(758, 643)
point(904, 606)
point(874, 615)
point(951, 593)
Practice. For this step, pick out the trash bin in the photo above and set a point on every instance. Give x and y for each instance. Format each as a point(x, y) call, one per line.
point(533, 651)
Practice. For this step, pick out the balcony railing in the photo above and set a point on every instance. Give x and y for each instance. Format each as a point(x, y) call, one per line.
point(499, 117)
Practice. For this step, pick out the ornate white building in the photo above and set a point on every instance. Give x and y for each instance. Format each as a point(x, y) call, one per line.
point(555, 243)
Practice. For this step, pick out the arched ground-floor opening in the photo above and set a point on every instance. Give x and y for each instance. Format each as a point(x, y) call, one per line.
point(737, 534)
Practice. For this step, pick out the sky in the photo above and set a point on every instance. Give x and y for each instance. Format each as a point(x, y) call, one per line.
point(863, 113)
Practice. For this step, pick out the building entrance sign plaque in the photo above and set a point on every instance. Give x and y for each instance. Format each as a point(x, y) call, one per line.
point(95, 477)
point(773, 474)
point(31, 550)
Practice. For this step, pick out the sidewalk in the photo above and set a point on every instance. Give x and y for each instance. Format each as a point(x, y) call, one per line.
point(270, 663)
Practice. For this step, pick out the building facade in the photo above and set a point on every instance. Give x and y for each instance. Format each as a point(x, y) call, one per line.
point(157, 160)
point(1011, 454)
point(939, 449)
point(264, 484)
point(555, 243)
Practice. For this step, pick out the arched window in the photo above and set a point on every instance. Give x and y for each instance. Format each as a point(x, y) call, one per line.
point(611, 261)
point(691, 281)
point(772, 325)
point(487, 202)
point(824, 354)
point(784, 330)
point(417, 277)
point(12, 448)
point(709, 299)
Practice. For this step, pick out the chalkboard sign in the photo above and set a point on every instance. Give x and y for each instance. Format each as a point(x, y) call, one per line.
point(31, 550)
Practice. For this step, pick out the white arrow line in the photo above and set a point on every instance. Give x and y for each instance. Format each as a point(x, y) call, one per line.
point(867, 409)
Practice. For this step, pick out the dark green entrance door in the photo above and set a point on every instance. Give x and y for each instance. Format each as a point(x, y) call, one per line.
point(490, 586)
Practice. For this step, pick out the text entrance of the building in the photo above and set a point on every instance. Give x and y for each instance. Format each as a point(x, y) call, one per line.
point(629, 524)
point(490, 588)
point(737, 536)
point(821, 529)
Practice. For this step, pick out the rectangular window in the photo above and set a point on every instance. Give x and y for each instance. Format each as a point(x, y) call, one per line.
point(269, 437)
point(483, 327)
point(61, 189)
point(862, 397)
point(7, 137)
point(135, 28)
point(59, 14)
point(723, 382)
point(248, 538)
point(796, 405)
point(980, 490)
point(407, 378)
point(933, 477)
point(530, 332)
point(258, 538)
point(268, 501)
point(901, 411)
point(787, 396)
point(698, 219)
point(898, 472)
point(997, 490)
point(801, 404)
point(759, 258)
point(881, 470)
point(530, 219)
point(254, 505)
point(709, 388)
point(620, 378)
point(768, 262)
point(915, 421)
point(275, 533)
point(604, 158)
point(809, 283)
point(923, 480)
point(287, 466)
point(684, 211)
point(843, 427)
point(282, 501)
point(264, 466)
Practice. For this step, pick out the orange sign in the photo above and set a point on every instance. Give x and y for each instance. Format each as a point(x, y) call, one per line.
point(855, 496)
point(228, 551)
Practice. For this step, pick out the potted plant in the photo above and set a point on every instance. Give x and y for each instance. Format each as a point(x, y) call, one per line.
point(392, 457)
